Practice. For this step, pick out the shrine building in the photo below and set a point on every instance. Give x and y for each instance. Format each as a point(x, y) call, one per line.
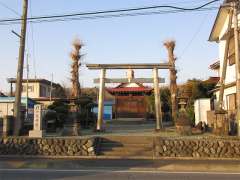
point(131, 98)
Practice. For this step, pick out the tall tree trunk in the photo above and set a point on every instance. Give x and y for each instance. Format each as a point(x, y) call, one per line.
point(170, 45)
point(75, 55)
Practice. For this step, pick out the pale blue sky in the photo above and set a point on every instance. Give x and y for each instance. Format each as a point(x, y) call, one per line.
point(117, 40)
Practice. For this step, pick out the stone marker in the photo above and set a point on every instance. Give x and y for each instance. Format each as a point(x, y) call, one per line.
point(5, 126)
point(37, 122)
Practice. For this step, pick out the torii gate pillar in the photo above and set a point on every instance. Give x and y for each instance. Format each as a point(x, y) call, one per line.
point(101, 100)
point(157, 100)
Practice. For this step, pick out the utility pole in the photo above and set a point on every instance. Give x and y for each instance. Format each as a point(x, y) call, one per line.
point(50, 97)
point(27, 68)
point(17, 103)
point(237, 63)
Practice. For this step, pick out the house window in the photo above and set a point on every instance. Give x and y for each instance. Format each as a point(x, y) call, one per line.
point(30, 88)
point(231, 101)
point(43, 91)
point(24, 89)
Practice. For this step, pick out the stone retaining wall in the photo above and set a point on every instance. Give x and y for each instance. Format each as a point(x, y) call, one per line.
point(197, 148)
point(162, 147)
point(48, 146)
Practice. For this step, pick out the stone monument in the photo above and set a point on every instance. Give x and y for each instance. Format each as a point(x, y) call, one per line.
point(37, 122)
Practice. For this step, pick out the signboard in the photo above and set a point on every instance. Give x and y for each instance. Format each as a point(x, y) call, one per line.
point(37, 117)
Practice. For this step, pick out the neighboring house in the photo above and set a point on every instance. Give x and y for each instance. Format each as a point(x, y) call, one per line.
point(7, 103)
point(216, 68)
point(218, 34)
point(40, 90)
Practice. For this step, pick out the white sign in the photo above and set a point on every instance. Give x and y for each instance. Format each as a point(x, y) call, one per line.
point(37, 117)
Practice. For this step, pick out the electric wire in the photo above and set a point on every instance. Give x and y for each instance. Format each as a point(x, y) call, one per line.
point(161, 12)
point(199, 28)
point(7, 7)
point(105, 12)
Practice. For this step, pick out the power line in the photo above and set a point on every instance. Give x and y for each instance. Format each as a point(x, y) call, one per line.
point(112, 16)
point(111, 11)
point(120, 15)
point(7, 7)
point(194, 36)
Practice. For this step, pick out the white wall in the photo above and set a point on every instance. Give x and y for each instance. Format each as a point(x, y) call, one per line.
point(34, 93)
point(227, 91)
point(6, 109)
point(230, 75)
point(201, 106)
point(36, 90)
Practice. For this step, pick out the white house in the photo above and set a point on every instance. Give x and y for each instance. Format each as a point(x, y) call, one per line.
point(218, 35)
point(37, 88)
point(40, 90)
point(7, 104)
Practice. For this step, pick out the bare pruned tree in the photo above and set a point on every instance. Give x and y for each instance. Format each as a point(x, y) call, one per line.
point(170, 45)
point(76, 63)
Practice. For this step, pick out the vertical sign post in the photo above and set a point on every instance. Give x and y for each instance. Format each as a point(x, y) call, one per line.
point(37, 122)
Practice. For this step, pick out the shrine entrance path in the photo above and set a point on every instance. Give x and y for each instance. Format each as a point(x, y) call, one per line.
point(138, 127)
point(133, 126)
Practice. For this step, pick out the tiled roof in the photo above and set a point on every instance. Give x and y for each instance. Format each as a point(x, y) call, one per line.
point(215, 65)
point(44, 81)
point(213, 80)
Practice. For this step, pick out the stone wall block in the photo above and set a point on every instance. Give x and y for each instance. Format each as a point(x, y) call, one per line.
point(166, 142)
point(164, 148)
point(89, 143)
point(237, 151)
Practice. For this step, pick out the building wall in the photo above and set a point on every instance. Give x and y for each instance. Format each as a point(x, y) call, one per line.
point(33, 90)
point(201, 106)
point(230, 73)
point(44, 90)
point(227, 92)
point(6, 109)
point(107, 111)
point(231, 76)
point(36, 90)
point(132, 85)
point(131, 107)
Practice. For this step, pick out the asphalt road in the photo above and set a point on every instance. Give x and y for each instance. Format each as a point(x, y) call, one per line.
point(107, 169)
point(110, 175)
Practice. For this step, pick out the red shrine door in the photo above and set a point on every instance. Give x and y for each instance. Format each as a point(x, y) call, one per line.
point(131, 107)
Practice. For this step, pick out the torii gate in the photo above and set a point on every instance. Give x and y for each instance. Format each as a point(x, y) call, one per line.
point(155, 80)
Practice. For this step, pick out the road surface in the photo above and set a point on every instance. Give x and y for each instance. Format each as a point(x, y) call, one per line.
point(96, 174)
point(66, 169)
